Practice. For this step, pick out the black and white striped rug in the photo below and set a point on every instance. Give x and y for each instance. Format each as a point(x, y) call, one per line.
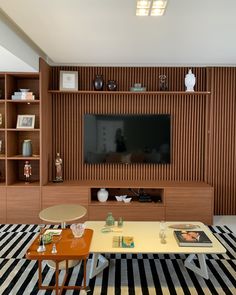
point(126, 274)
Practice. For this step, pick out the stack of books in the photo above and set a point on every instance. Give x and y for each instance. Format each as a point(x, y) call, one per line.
point(23, 96)
point(122, 242)
point(196, 238)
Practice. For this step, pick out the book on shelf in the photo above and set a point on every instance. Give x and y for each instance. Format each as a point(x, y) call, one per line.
point(23, 95)
point(193, 238)
point(123, 242)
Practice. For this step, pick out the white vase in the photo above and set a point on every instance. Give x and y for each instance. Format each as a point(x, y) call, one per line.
point(102, 195)
point(190, 81)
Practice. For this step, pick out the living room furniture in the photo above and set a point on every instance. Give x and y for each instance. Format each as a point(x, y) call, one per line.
point(147, 240)
point(202, 138)
point(68, 248)
point(62, 213)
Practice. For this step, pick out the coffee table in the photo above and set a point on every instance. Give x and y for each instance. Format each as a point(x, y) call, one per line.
point(146, 240)
point(68, 248)
point(62, 213)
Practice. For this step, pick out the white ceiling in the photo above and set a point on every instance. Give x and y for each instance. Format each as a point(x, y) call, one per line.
point(102, 32)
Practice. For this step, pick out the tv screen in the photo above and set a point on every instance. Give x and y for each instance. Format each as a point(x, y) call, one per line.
point(127, 138)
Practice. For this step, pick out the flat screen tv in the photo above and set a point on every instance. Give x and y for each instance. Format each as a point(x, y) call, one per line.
point(127, 139)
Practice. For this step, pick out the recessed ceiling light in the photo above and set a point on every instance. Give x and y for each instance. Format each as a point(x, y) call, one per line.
point(150, 7)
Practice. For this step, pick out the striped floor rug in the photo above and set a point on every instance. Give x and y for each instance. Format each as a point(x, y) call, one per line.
point(126, 274)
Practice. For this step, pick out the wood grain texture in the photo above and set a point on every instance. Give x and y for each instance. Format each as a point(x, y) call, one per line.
point(189, 204)
point(221, 173)
point(188, 123)
point(127, 211)
point(3, 205)
point(30, 198)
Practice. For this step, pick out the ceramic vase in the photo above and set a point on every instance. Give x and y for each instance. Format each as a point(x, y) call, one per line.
point(102, 195)
point(98, 83)
point(27, 148)
point(111, 85)
point(190, 81)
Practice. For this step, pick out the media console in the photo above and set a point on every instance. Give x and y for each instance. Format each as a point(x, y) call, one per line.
point(172, 201)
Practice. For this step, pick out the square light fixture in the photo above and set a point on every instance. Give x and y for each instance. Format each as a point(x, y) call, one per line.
point(150, 7)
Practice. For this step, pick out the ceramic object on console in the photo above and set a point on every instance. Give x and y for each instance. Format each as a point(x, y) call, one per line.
point(190, 81)
point(102, 195)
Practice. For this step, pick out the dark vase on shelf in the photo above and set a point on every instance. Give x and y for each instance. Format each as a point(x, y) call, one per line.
point(111, 85)
point(98, 83)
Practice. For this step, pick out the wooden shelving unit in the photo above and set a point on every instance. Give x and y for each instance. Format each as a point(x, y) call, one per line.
point(20, 201)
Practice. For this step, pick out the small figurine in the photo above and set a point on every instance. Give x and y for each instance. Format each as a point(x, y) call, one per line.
point(27, 171)
point(58, 164)
point(163, 83)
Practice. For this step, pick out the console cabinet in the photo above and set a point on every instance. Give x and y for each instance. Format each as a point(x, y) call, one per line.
point(23, 205)
point(171, 201)
point(189, 204)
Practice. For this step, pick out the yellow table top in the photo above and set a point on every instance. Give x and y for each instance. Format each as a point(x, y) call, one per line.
point(62, 213)
point(147, 240)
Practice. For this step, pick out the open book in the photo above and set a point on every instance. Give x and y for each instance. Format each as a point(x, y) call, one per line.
point(122, 242)
point(192, 238)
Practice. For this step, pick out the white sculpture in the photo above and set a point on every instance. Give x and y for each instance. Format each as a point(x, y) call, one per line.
point(190, 81)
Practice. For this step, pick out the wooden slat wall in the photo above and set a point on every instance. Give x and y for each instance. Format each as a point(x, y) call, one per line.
point(222, 150)
point(188, 123)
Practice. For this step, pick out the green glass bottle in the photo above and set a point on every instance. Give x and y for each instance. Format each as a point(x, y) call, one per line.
point(110, 221)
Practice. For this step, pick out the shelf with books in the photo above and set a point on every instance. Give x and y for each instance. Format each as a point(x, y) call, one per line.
point(17, 81)
point(2, 115)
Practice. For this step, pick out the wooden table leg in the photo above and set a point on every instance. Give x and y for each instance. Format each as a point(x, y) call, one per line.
point(40, 273)
point(56, 278)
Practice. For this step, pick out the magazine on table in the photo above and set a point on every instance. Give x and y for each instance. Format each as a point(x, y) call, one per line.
point(193, 238)
point(123, 242)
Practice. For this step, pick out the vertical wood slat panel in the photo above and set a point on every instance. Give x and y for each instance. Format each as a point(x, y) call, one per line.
point(187, 126)
point(222, 156)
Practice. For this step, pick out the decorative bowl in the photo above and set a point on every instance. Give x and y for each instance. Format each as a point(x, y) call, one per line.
point(24, 90)
point(78, 229)
point(119, 198)
point(127, 200)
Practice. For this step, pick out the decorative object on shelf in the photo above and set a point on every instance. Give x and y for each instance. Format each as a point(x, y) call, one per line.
point(163, 83)
point(0, 146)
point(58, 165)
point(111, 85)
point(137, 87)
point(110, 221)
point(68, 81)
point(1, 120)
point(98, 83)
point(78, 229)
point(27, 171)
point(23, 94)
point(27, 148)
point(190, 81)
point(102, 195)
point(25, 121)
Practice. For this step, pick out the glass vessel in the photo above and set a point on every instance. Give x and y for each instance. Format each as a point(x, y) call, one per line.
point(110, 221)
